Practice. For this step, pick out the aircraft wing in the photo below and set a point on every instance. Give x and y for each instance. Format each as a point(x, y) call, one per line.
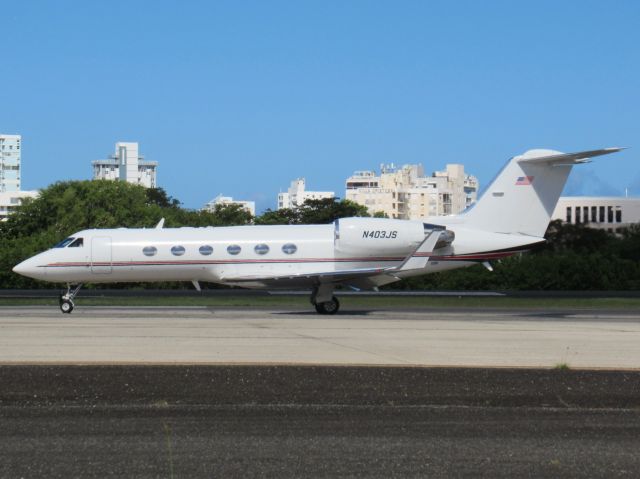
point(568, 158)
point(357, 277)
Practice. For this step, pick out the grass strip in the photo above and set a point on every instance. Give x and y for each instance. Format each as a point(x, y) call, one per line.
point(370, 302)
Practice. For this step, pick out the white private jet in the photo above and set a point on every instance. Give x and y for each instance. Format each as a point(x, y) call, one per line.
point(360, 253)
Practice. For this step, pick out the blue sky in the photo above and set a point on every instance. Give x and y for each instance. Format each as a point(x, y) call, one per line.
point(241, 97)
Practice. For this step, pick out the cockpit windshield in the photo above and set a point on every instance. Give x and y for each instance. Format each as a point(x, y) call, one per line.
point(78, 243)
point(64, 243)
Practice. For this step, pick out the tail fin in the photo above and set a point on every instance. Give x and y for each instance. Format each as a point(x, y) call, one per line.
point(523, 196)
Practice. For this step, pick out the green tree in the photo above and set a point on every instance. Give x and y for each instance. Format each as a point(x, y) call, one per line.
point(577, 237)
point(230, 214)
point(284, 216)
point(69, 206)
point(159, 197)
point(629, 245)
point(322, 211)
point(327, 210)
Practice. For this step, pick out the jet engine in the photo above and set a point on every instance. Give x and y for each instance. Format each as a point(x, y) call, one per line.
point(376, 236)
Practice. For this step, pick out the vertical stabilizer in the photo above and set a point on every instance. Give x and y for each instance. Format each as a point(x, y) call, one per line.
point(521, 199)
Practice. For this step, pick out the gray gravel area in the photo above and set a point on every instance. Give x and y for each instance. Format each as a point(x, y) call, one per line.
point(304, 421)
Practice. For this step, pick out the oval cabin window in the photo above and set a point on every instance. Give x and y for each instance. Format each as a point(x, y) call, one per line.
point(289, 248)
point(206, 250)
point(261, 248)
point(149, 250)
point(177, 250)
point(233, 249)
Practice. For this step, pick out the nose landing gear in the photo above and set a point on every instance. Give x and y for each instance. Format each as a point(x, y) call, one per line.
point(66, 300)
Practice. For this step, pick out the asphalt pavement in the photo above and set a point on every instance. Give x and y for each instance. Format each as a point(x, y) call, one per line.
point(305, 421)
point(317, 441)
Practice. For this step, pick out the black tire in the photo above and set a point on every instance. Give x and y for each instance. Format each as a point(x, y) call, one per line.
point(66, 306)
point(328, 307)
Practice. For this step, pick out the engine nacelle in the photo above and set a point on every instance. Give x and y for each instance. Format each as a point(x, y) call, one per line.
point(376, 236)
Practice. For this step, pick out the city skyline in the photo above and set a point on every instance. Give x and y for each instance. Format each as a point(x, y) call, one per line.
point(241, 100)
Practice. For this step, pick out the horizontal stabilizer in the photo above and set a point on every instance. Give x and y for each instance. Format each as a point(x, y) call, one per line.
point(552, 157)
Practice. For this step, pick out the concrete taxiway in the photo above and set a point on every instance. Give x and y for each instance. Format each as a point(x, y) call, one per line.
point(201, 335)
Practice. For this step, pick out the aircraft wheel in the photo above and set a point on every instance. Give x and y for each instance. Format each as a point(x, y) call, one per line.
point(66, 306)
point(328, 307)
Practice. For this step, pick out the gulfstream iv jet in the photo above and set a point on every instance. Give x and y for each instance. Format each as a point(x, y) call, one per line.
point(360, 253)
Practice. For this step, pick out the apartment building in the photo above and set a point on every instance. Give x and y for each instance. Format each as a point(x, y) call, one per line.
point(297, 194)
point(126, 164)
point(406, 193)
point(10, 162)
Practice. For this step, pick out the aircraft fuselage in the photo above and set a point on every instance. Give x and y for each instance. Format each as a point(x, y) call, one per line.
point(245, 255)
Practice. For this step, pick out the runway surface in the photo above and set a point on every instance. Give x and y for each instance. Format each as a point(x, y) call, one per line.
point(240, 392)
point(201, 335)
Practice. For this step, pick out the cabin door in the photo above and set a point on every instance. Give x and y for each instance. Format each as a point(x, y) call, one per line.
point(101, 255)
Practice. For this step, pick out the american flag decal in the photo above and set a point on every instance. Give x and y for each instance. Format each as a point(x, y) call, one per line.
point(524, 180)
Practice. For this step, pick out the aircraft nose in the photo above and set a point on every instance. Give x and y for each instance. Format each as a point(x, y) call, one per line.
point(29, 268)
point(21, 268)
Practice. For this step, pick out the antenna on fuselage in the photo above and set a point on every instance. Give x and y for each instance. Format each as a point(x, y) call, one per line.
point(160, 224)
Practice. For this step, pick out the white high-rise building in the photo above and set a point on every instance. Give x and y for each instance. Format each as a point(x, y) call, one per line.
point(126, 165)
point(11, 195)
point(10, 200)
point(10, 160)
point(406, 193)
point(250, 206)
point(296, 195)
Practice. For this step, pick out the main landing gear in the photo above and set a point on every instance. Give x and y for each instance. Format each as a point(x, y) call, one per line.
point(324, 300)
point(66, 300)
point(328, 307)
